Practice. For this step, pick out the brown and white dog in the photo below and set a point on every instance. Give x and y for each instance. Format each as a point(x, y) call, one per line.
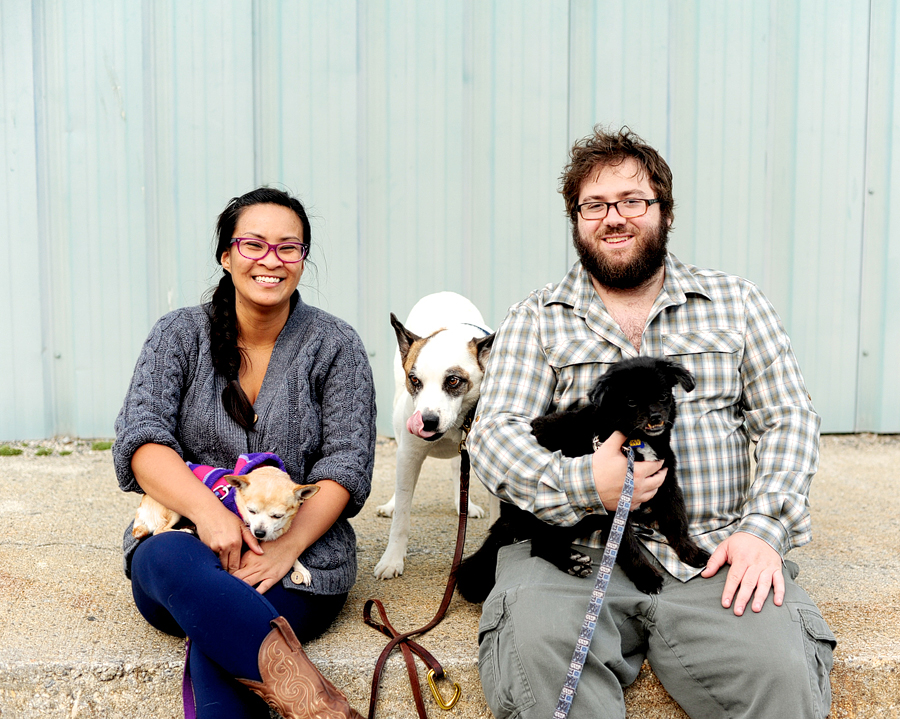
point(438, 368)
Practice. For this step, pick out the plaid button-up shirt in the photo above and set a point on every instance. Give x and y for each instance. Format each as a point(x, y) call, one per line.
point(552, 347)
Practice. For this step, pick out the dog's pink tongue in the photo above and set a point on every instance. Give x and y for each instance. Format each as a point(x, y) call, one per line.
point(416, 426)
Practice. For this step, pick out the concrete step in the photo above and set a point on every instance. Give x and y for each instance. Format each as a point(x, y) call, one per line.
point(72, 644)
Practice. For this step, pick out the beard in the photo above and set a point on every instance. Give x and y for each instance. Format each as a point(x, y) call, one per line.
point(651, 255)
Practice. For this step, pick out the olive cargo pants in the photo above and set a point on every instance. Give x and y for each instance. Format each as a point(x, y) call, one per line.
point(714, 664)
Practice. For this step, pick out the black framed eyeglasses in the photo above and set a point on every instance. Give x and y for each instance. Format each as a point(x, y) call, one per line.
point(254, 249)
point(628, 208)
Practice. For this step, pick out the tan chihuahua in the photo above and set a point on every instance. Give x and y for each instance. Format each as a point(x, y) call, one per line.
point(267, 499)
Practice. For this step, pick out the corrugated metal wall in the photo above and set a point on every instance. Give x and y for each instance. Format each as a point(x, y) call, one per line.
point(426, 140)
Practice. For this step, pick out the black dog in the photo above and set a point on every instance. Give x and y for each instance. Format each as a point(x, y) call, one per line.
point(635, 397)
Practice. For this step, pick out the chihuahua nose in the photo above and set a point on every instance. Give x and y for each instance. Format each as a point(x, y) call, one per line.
point(430, 421)
point(260, 533)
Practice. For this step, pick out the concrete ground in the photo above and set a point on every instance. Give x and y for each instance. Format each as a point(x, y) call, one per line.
point(72, 644)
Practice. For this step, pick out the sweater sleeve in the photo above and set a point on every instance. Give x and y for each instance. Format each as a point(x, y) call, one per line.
point(348, 421)
point(150, 411)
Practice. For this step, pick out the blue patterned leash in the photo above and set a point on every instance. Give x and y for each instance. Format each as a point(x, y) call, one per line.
point(606, 564)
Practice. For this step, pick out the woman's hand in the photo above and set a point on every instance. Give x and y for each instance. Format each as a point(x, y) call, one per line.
point(162, 474)
point(225, 534)
point(313, 519)
point(609, 465)
point(264, 571)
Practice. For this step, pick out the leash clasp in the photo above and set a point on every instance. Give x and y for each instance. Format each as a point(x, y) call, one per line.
point(457, 691)
point(466, 426)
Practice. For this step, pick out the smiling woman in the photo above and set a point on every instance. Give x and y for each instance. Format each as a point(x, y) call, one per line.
point(254, 372)
point(253, 300)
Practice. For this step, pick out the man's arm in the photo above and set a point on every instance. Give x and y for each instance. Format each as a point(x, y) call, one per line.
point(780, 418)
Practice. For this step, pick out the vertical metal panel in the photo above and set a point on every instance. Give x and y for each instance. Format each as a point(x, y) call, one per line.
point(463, 131)
point(86, 60)
point(22, 394)
point(305, 84)
point(426, 140)
point(774, 131)
point(198, 141)
point(879, 381)
point(760, 110)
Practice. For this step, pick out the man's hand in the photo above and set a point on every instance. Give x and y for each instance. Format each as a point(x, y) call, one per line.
point(609, 465)
point(755, 568)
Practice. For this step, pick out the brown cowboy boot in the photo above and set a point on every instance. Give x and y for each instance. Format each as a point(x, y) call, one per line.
point(291, 684)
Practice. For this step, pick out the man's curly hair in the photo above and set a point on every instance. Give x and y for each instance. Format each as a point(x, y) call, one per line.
point(604, 148)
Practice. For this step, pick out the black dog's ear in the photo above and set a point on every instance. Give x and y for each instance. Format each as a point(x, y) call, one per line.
point(680, 375)
point(405, 338)
point(595, 396)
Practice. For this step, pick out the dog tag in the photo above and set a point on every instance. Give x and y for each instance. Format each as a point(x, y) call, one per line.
point(636, 443)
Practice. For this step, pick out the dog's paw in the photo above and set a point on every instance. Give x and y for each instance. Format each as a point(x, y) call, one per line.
point(301, 574)
point(581, 565)
point(475, 512)
point(385, 510)
point(648, 581)
point(389, 567)
point(694, 556)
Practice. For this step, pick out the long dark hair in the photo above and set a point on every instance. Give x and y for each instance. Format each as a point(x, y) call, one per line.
point(223, 326)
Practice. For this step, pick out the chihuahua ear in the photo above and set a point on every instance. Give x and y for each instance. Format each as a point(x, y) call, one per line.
point(405, 338)
point(304, 491)
point(680, 375)
point(236, 481)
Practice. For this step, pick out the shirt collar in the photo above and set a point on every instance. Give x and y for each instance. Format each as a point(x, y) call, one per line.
point(576, 289)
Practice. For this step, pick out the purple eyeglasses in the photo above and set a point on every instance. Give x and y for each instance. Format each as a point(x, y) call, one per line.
point(254, 249)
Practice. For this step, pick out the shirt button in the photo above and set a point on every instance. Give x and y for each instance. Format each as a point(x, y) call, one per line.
point(589, 510)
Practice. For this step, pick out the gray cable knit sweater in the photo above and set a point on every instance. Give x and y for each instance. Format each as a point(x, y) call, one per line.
point(316, 411)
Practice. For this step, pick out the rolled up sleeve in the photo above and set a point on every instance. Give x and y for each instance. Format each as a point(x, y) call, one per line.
point(149, 413)
point(519, 385)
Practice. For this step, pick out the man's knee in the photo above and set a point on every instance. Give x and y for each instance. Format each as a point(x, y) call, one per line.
point(525, 648)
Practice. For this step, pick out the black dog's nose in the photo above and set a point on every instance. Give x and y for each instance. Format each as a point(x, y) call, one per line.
point(430, 421)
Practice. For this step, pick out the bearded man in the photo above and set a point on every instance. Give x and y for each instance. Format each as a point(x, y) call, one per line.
point(628, 296)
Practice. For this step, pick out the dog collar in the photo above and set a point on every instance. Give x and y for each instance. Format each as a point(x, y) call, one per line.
point(630, 444)
point(483, 330)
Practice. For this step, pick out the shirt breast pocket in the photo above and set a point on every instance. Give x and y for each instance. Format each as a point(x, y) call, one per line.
point(578, 365)
point(714, 358)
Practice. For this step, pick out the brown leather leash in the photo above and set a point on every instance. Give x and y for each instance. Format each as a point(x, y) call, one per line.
point(404, 640)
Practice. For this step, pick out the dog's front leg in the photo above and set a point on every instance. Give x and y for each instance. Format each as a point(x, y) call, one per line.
point(409, 464)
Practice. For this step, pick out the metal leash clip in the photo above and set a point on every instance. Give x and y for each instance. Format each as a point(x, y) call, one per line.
point(457, 691)
point(466, 426)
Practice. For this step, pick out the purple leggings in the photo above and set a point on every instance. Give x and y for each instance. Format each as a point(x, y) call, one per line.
point(180, 588)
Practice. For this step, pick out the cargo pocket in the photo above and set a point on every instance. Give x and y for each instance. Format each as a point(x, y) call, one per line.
point(819, 643)
point(503, 679)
